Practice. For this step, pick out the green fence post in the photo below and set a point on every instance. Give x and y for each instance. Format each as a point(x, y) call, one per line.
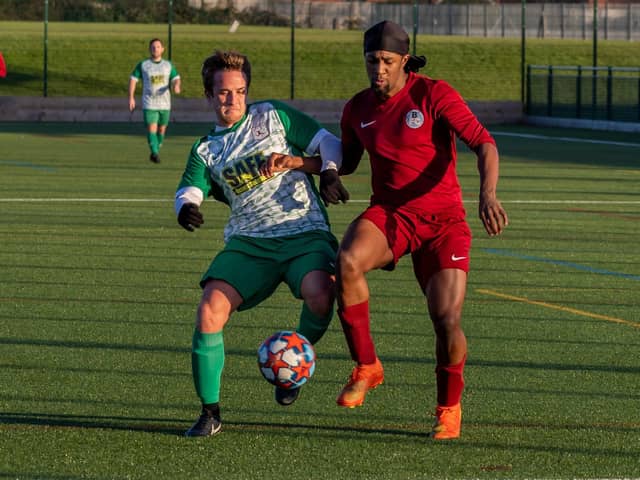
point(594, 93)
point(293, 42)
point(550, 92)
point(609, 92)
point(415, 24)
point(46, 44)
point(595, 34)
point(579, 92)
point(523, 27)
point(170, 20)
point(527, 105)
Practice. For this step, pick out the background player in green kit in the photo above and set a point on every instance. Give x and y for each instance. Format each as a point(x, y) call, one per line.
point(158, 76)
point(278, 231)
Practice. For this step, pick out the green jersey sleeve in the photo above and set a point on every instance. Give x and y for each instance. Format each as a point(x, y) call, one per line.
point(174, 73)
point(300, 128)
point(196, 174)
point(137, 71)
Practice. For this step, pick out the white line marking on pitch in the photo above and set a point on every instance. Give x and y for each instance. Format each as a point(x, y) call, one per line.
point(567, 139)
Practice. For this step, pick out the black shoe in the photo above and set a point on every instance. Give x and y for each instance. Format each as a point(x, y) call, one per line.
point(154, 157)
point(286, 396)
point(205, 426)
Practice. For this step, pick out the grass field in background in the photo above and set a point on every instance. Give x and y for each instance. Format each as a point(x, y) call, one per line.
point(98, 290)
point(93, 59)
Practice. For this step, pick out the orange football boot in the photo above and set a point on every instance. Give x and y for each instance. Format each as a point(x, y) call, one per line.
point(447, 424)
point(363, 378)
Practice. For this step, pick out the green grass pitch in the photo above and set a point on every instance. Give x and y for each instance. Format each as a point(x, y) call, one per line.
point(98, 290)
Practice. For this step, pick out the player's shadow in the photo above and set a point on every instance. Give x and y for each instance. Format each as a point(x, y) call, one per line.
point(177, 427)
point(328, 430)
point(15, 79)
point(139, 424)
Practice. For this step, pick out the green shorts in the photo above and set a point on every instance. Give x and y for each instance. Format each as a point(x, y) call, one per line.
point(161, 117)
point(256, 266)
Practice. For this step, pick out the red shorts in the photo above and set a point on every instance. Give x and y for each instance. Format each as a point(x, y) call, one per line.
point(435, 242)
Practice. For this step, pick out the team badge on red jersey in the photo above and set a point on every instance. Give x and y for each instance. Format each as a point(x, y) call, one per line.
point(414, 119)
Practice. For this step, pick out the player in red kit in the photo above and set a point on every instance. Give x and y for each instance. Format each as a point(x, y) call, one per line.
point(3, 67)
point(408, 124)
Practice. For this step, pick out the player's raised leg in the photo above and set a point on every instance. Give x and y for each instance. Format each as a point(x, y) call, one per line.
point(363, 248)
point(317, 289)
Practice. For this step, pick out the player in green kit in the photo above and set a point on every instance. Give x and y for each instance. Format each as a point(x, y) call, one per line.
point(258, 159)
point(158, 77)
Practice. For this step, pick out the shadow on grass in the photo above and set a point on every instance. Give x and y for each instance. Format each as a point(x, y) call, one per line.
point(15, 79)
point(250, 353)
point(190, 130)
point(48, 420)
point(177, 427)
point(408, 432)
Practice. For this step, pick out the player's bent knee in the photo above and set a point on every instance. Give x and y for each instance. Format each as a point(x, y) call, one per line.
point(320, 304)
point(210, 321)
point(348, 266)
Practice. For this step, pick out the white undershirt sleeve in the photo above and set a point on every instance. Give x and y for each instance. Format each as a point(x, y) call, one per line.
point(188, 195)
point(330, 149)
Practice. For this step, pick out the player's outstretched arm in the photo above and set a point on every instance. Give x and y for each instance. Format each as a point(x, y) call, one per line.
point(281, 162)
point(493, 216)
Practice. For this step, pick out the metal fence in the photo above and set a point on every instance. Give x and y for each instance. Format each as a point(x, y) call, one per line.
point(592, 93)
point(292, 72)
point(614, 21)
point(620, 21)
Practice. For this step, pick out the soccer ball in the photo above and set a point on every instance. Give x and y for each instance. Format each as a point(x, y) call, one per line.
point(286, 359)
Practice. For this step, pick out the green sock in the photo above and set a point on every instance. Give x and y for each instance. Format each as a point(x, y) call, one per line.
point(160, 139)
point(152, 140)
point(312, 326)
point(207, 362)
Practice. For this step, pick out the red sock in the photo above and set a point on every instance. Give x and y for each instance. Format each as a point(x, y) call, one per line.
point(450, 383)
point(355, 325)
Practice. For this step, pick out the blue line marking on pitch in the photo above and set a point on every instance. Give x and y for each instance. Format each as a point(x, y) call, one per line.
point(15, 163)
point(577, 266)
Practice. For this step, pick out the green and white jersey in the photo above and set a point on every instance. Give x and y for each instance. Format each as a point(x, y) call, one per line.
point(225, 164)
point(156, 83)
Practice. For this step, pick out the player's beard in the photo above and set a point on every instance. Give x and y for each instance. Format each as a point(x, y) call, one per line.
point(381, 90)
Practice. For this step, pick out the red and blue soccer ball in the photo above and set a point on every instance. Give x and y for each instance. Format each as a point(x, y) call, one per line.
point(287, 359)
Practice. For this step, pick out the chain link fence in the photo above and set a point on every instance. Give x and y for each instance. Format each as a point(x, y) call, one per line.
point(542, 20)
point(87, 48)
point(591, 93)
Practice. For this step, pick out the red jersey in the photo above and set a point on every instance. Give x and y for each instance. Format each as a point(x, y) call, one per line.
point(3, 67)
point(411, 141)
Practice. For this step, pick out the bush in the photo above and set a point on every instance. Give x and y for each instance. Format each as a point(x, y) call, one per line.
point(133, 11)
